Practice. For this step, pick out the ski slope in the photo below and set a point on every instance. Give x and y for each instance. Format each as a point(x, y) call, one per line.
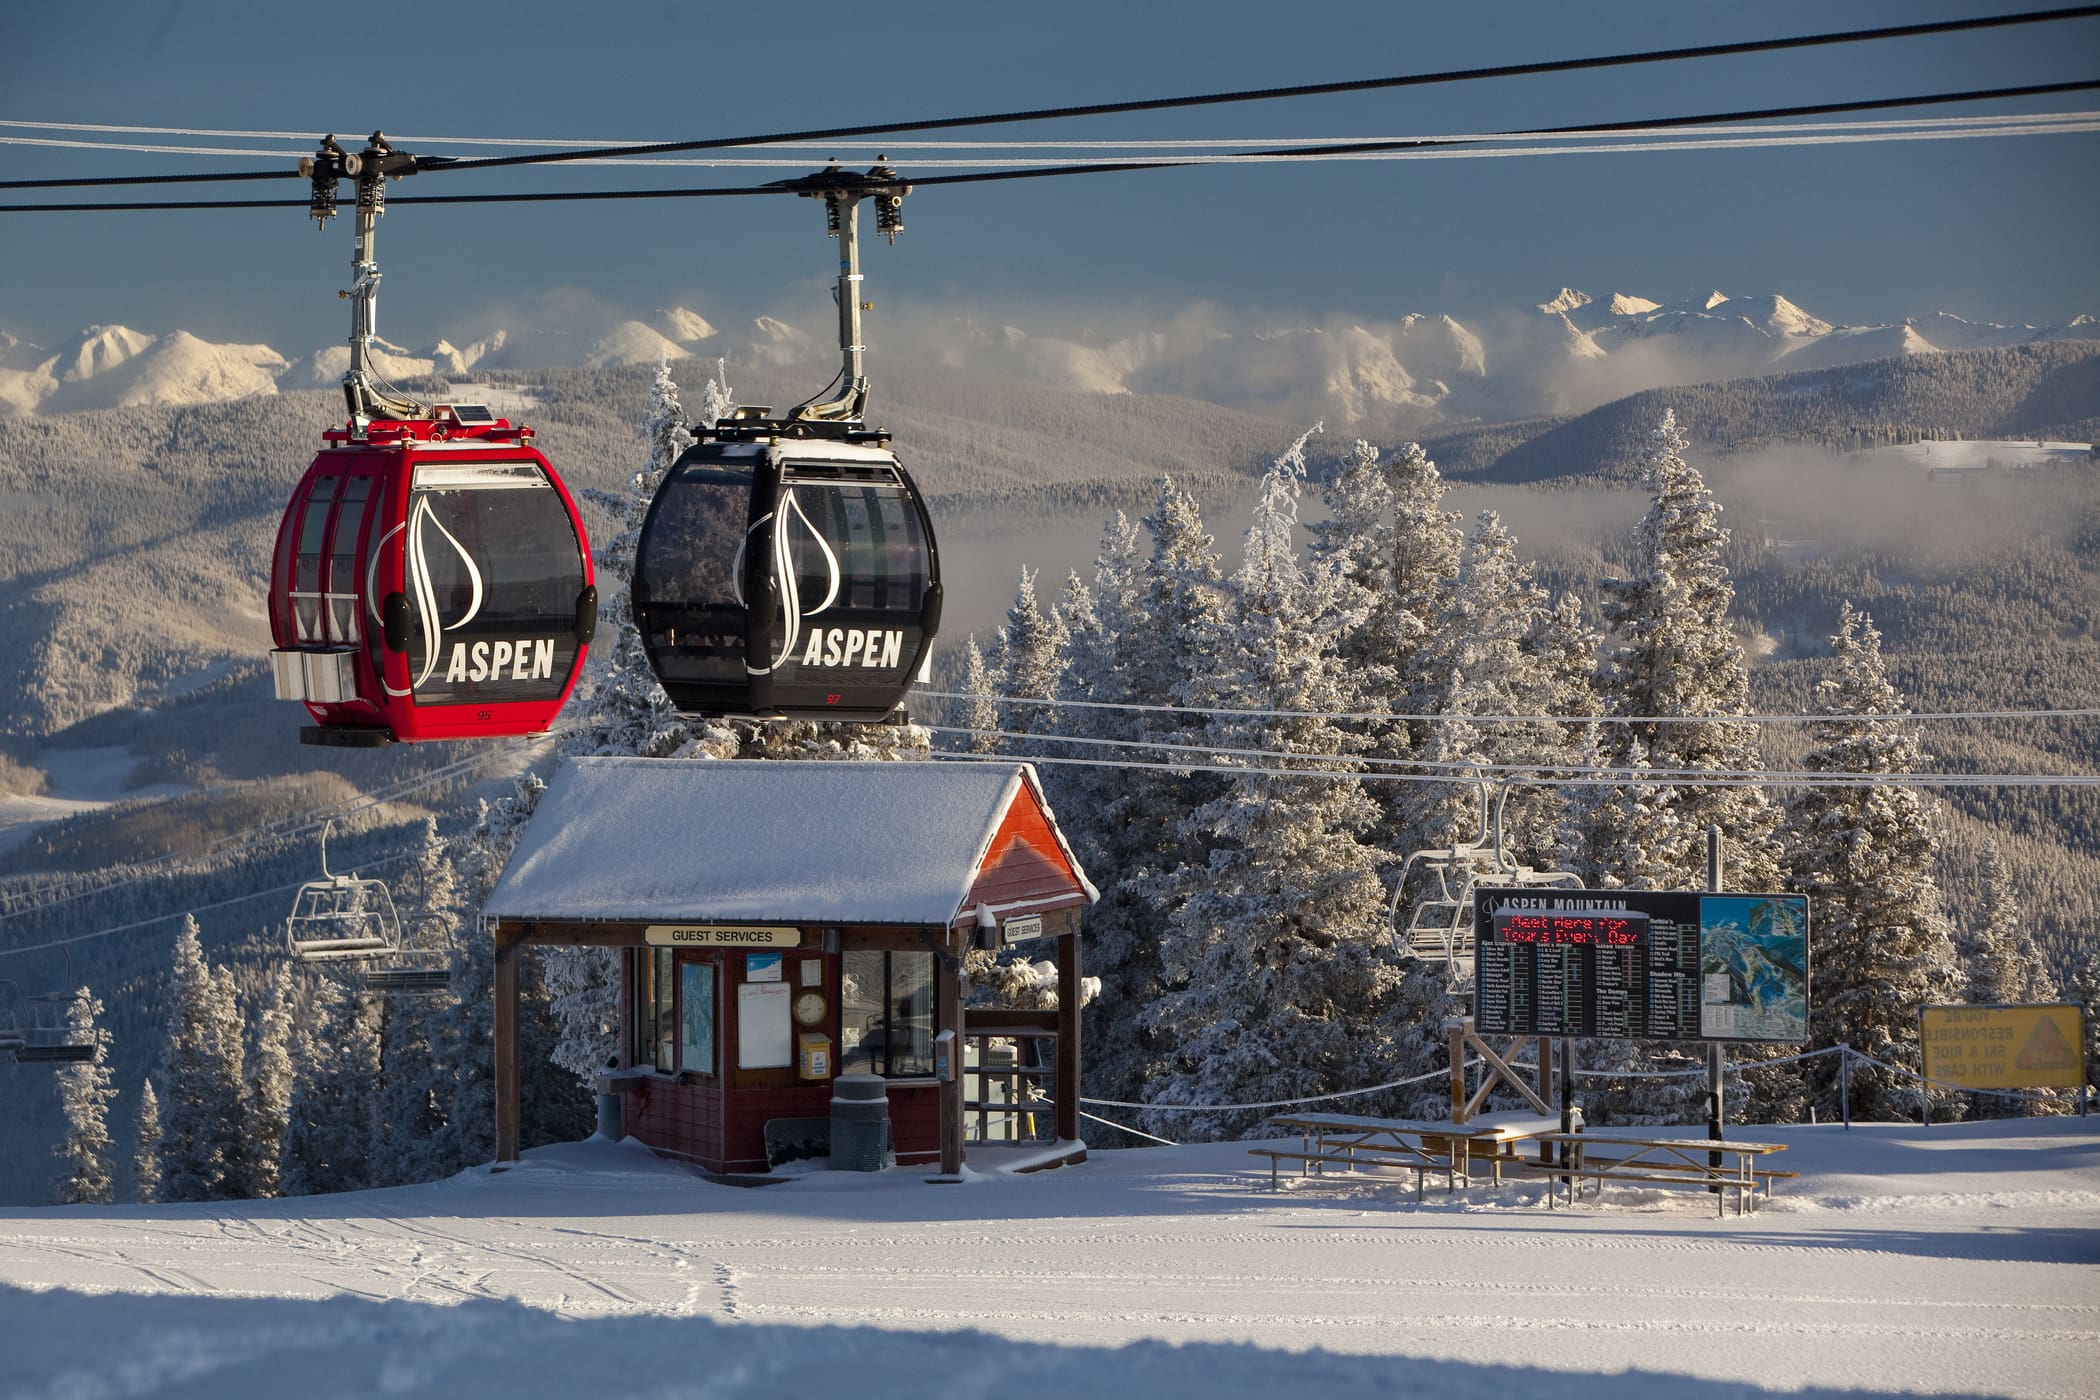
point(1959, 1259)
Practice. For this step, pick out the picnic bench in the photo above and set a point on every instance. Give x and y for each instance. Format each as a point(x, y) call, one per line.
point(1425, 1147)
point(1709, 1164)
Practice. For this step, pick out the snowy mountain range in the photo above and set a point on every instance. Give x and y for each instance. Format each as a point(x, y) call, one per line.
point(1566, 354)
point(118, 367)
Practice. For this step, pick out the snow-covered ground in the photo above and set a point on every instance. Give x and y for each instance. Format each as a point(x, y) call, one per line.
point(1961, 1259)
point(81, 780)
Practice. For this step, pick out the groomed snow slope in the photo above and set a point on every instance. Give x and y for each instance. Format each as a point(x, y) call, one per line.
point(1958, 1259)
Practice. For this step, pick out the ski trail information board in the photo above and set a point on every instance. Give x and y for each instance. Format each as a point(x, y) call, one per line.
point(1640, 964)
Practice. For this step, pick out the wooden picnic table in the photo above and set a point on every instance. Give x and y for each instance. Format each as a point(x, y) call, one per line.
point(1724, 1167)
point(1423, 1146)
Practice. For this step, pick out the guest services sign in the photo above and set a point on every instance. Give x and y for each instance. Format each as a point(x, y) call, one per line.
point(722, 936)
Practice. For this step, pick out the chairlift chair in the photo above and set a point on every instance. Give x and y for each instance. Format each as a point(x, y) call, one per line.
point(1440, 924)
point(340, 918)
point(416, 969)
point(12, 1036)
point(49, 1039)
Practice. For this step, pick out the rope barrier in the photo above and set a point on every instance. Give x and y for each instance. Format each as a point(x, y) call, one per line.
point(2022, 1094)
point(1276, 1103)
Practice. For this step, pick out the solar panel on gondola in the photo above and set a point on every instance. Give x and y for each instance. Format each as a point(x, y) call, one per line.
point(431, 579)
point(787, 567)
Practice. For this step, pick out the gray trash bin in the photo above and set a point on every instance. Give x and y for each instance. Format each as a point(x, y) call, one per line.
point(860, 1123)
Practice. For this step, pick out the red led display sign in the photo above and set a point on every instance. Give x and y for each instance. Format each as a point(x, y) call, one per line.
point(1595, 930)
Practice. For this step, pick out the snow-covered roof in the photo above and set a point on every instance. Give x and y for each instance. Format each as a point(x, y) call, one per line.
point(639, 839)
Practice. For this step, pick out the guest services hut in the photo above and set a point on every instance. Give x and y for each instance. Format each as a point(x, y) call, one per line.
point(781, 923)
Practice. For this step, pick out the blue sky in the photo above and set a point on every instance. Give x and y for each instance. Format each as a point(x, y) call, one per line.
point(1997, 230)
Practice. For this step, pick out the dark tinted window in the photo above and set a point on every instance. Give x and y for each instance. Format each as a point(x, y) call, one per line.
point(866, 536)
point(493, 569)
point(688, 573)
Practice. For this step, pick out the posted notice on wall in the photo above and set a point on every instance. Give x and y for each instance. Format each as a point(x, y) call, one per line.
point(765, 1029)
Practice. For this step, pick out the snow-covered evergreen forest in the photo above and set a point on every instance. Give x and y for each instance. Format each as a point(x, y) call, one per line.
point(1243, 743)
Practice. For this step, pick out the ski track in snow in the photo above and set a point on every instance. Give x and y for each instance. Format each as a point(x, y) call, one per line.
point(596, 1268)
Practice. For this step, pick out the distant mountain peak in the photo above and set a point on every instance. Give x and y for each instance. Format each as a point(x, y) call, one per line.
point(1567, 300)
point(1714, 299)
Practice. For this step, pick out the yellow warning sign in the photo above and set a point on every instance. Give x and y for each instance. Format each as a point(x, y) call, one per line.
point(2005, 1047)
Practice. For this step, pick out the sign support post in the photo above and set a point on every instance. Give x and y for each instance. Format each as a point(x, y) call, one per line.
point(1715, 1109)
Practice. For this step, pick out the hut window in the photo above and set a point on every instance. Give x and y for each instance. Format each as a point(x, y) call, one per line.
point(888, 1006)
point(655, 1024)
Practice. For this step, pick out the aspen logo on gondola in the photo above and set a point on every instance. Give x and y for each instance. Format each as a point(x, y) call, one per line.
point(525, 659)
point(855, 646)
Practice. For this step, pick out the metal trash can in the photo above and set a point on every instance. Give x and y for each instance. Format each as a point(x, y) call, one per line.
point(860, 1123)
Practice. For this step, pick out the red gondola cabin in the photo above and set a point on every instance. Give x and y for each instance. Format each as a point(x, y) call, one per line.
point(431, 581)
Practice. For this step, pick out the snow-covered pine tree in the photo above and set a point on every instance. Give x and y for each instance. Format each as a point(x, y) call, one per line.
point(1355, 543)
point(202, 1156)
point(1672, 654)
point(414, 1080)
point(1863, 854)
point(87, 1155)
point(2003, 966)
point(976, 710)
point(145, 1155)
point(1160, 611)
point(1277, 978)
point(1427, 546)
point(270, 1078)
point(1480, 648)
point(244, 1168)
point(1030, 660)
point(1561, 652)
point(328, 1130)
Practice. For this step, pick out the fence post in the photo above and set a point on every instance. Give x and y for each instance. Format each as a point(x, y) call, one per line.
point(1845, 1082)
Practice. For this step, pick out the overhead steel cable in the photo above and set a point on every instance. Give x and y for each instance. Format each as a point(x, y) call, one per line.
point(1339, 150)
point(1558, 777)
point(1137, 708)
point(1161, 104)
point(1449, 770)
point(1158, 104)
point(1619, 138)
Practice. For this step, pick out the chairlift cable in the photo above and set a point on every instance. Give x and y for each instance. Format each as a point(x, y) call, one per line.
point(1136, 708)
point(1409, 148)
point(1566, 65)
point(1447, 770)
point(1587, 778)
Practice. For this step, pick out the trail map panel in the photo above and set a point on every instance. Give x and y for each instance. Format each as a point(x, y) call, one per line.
point(1641, 964)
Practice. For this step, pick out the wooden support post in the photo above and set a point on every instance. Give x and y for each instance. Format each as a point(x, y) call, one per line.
point(1543, 1070)
point(508, 1105)
point(1456, 1027)
point(1068, 1037)
point(951, 1090)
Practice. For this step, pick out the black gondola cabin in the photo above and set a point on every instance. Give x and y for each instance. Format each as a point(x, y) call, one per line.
point(788, 578)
